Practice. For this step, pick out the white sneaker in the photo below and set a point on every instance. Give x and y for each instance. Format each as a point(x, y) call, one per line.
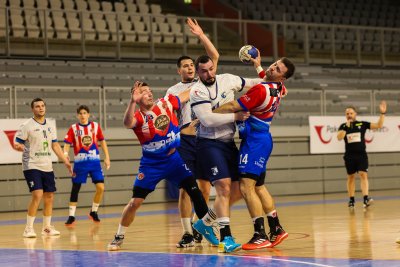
point(29, 232)
point(50, 231)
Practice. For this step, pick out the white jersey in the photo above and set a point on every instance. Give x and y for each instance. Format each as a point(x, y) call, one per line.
point(221, 92)
point(38, 139)
point(184, 114)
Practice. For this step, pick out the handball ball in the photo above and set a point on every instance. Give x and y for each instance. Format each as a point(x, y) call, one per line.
point(247, 52)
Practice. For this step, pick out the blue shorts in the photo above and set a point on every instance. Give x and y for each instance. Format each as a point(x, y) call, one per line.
point(216, 159)
point(40, 180)
point(153, 170)
point(254, 152)
point(93, 169)
point(187, 150)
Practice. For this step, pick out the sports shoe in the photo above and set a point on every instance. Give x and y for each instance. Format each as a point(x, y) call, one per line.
point(186, 241)
point(70, 221)
point(94, 216)
point(29, 232)
point(228, 245)
point(277, 236)
point(206, 231)
point(367, 202)
point(351, 204)
point(197, 236)
point(50, 231)
point(116, 243)
point(257, 241)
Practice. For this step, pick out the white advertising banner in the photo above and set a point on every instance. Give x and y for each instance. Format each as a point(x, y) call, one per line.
point(8, 129)
point(323, 132)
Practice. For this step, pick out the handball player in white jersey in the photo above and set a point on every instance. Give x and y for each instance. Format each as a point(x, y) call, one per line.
point(35, 138)
point(185, 69)
point(216, 150)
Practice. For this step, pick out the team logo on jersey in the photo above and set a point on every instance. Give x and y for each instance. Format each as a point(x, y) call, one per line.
point(246, 98)
point(214, 170)
point(87, 140)
point(223, 95)
point(161, 122)
point(140, 176)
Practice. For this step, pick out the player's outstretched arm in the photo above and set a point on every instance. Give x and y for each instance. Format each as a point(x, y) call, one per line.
point(211, 51)
point(184, 96)
point(230, 107)
point(382, 109)
point(60, 154)
point(210, 119)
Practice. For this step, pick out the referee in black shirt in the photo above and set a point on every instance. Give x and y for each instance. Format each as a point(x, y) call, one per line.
point(355, 157)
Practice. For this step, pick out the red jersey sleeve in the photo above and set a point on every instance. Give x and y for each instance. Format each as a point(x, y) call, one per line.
point(253, 98)
point(69, 137)
point(139, 120)
point(100, 135)
point(174, 100)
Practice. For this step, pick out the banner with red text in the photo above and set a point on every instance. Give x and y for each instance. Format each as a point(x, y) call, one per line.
point(8, 129)
point(323, 132)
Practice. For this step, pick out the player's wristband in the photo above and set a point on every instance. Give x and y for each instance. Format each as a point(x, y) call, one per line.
point(259, 69)
point(261, 72)
point(66, 154)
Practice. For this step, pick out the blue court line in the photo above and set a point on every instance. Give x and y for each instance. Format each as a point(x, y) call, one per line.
point(39, 257)
point(176, 211)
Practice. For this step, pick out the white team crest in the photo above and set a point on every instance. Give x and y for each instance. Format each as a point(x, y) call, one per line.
point(214, 170)
point(31, 184)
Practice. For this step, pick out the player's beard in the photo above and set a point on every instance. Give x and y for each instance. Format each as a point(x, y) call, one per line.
point(208, 82)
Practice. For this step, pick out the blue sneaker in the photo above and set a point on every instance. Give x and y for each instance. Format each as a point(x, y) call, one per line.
point(206, 231)
point(228, 245)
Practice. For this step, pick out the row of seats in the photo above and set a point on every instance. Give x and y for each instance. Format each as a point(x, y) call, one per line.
point(336, 12)
point(345, 39)
point(136, 25)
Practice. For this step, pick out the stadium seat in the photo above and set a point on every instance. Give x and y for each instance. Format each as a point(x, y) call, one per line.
point(60, 27)
point(74, 28)
point(17, 25)
point(102, 33)
point(119, 7)
point(68, 4)
point(90, 33)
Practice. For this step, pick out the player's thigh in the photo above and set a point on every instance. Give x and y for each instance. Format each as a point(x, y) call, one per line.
point(177, 170)
point(49, 182)
point(351, 165)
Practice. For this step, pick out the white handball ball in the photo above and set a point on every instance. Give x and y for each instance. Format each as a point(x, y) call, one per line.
point(247, 52)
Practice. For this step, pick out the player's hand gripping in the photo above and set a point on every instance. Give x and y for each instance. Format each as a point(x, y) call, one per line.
point(242, 115)
point(256, 61)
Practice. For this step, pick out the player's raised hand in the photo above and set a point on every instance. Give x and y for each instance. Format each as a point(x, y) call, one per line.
point(382, 107)
point(256, 61)
point(242, 115)
point(136, 92)
point(194, 27)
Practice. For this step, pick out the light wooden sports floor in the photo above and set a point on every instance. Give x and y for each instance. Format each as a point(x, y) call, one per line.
point(322, 232)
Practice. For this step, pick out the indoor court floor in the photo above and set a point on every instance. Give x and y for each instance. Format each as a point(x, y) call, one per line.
point(322, 232)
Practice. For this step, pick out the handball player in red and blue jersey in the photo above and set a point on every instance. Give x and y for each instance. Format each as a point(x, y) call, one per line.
point(262, 101)
point(157, 128)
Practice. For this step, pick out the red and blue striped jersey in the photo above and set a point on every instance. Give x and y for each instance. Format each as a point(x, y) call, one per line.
point(263, 100)
point(158, 128)
point(84, 139)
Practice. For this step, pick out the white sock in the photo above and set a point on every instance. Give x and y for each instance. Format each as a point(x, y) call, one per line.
point(121, 230)
point(95, 206)
point(72, 210)
point(46, 221)
point(30, 220)
point(187, 225)
point(210, 217)
point(272, 214)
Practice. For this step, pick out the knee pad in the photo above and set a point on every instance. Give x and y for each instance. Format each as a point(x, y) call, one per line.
point(74, 192)
point(191, 187)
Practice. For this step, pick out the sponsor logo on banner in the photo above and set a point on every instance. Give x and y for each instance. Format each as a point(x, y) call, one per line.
point(324, 129)
point(8, 131)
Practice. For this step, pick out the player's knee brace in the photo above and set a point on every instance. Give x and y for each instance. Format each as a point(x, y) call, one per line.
point(75, 192)
point(200, 205)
